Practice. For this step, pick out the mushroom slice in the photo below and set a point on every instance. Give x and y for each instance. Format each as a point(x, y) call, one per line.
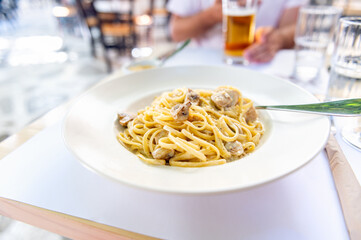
point(192, 97)
point(221, 99)
point(251, 115)
point(180, 112)
point(235, 97)
point(235, 148)
point(163, 153)
point(124, 118)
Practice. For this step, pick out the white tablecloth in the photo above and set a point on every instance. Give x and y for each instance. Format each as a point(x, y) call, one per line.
point(302, 205)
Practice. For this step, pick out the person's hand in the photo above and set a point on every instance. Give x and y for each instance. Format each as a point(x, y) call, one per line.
point(267, 42)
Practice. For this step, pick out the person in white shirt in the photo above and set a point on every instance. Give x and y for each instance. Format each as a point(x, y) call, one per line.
point(201, 20)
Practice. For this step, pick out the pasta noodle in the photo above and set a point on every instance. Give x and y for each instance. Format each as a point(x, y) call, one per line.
point(193, 128)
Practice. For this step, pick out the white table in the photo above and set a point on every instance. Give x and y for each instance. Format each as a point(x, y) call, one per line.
point(302, 205)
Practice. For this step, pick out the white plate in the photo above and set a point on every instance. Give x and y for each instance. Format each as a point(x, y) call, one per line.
point(290, 141)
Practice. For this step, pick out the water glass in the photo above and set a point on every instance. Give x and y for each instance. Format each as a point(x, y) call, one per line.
point(239, 17)
point(314, 32)
point(345, 77)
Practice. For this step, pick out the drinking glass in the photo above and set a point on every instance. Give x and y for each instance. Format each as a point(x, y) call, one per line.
point(314, 32)
point(345, 77)
point(238, 28)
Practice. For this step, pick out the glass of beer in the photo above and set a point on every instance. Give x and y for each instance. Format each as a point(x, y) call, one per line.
point(238, 28)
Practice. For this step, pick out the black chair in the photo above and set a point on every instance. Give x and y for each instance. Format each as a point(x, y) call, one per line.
point(88, 16)
point(160, 11)
point(117, 29)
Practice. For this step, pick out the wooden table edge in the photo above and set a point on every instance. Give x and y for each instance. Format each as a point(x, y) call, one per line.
point(64, 224)
point(59, 223)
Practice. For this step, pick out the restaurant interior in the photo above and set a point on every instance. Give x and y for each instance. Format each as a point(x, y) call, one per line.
point(53, 50)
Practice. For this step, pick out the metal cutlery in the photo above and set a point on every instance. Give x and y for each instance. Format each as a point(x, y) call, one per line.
point(345, 108)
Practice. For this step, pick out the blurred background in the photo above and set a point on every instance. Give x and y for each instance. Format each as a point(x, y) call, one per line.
point(52, 50)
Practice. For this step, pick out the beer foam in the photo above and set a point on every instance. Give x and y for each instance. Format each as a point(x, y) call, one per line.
point(239, 12)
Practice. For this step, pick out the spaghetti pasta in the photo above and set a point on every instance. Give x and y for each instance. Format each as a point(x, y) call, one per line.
point(193, 128)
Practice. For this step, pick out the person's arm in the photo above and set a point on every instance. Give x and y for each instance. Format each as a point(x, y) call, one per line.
point(271, 40)
point(287, 26)
point(183, 28)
